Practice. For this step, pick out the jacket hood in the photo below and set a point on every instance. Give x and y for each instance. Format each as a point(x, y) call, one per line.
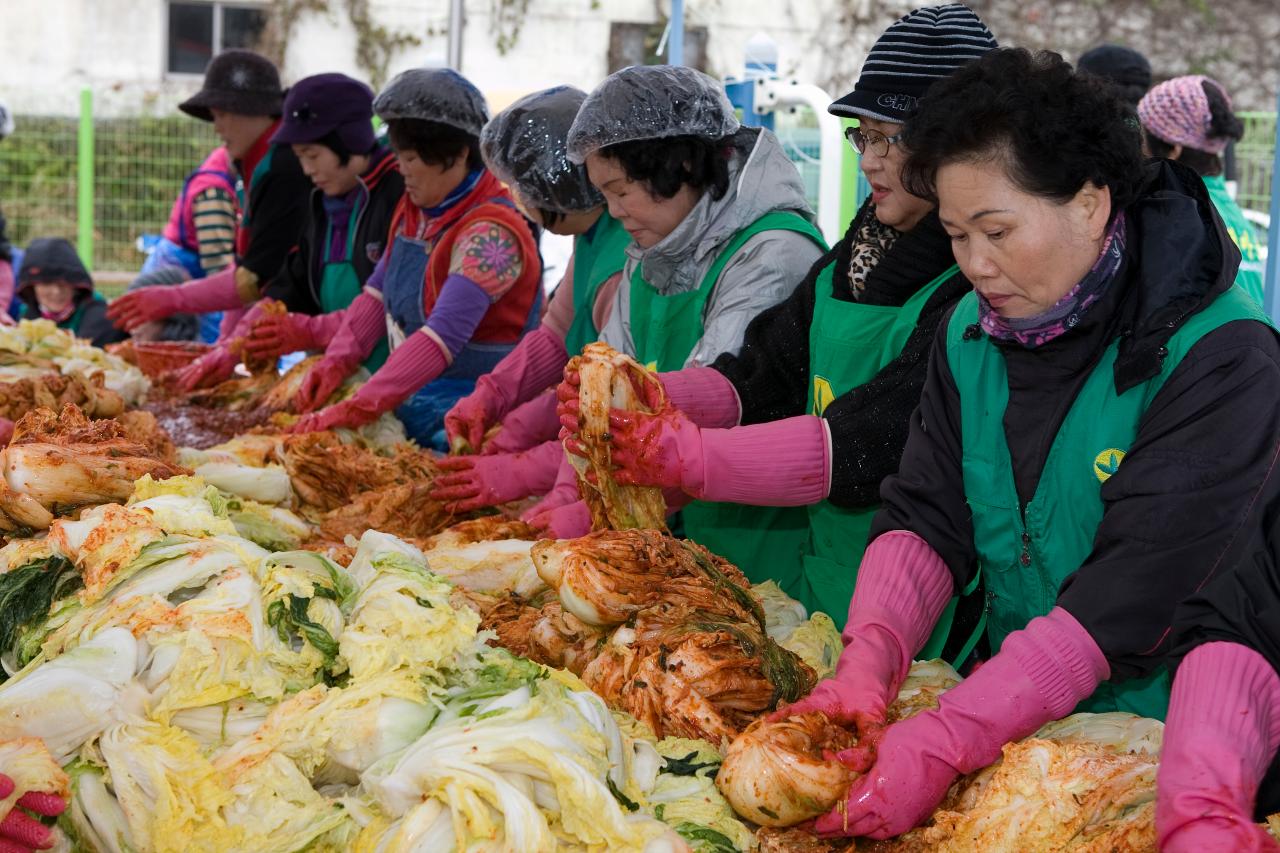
point(1185, 259)
point(761, 179)
point(51, 259)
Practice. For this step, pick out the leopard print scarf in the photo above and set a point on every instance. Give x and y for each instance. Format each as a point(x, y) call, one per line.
point(872, 240)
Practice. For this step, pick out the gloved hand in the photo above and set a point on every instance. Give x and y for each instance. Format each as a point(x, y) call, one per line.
point(352, 414)
point(704, 394)
point(527, 426)
point(19, 832)
point(1040, 674)
point(6, 432)
point(561, 512)
point(274, 335)
point(568, 521)
point(209, 369)
point(479, 481)
point(324, 377)
point(1223, 730)
point(903, 586)
point(144, 305)
point(536, 362)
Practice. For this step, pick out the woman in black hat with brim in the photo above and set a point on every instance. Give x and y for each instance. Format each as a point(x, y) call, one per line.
point(328, 124)
point(242, 97)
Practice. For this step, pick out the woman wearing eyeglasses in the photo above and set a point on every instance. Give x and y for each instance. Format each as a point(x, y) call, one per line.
point(814, 410)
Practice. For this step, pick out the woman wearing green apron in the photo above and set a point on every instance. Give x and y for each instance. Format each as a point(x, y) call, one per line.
point(328, 121)
point(1096, 434)
point(721, 233)
point(525, 148)
point(812, 413)
point(1189, 119)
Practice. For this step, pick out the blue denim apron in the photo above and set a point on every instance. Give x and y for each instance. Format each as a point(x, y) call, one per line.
point(402, 294)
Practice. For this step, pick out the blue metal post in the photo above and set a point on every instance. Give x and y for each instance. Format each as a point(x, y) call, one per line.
point(675, 42)
point(1270, 297)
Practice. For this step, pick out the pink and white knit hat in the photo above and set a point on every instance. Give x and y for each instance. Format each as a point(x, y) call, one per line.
point(1177, 111)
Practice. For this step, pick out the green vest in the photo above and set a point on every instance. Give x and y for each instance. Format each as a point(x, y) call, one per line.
point(1025, 552)
point(765, 542)
point(340, 284)
point(1250, 275)
point(849, 343)
point(597, 255)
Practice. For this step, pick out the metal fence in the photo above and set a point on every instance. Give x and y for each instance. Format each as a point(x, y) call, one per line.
point(1254, 160)
point(100, 182)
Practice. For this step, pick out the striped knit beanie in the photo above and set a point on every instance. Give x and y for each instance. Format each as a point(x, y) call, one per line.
point(922, 47)
point(1177, 111)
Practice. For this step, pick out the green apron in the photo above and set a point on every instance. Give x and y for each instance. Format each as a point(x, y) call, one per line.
point(849, 343)
point(597, 255)
point(340, 284)
point(765, 542)
point(1026, 552)
point(1249, 277)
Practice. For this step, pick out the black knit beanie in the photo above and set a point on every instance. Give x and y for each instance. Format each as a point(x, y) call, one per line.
point(922, 47)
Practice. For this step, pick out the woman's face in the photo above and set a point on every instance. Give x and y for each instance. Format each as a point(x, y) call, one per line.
point(895, 207)
point(1022, 252)
point(238, 132)
point(429, 184)
point(646, 217)
point(54, 296)
point(326, 171)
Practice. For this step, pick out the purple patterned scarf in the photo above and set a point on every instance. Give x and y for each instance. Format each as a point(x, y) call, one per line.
point(1031, 332)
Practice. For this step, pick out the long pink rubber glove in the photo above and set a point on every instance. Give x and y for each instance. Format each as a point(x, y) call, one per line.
point(739, 465)
point(1223, 730)
point(1040, 674)
point(219, 363)
point(363, 323)
point(903, 586)
point(534, 365)
point(417, 361)
point(527, 426)
point(474, 482)
point(218, 292)
point(20, 832)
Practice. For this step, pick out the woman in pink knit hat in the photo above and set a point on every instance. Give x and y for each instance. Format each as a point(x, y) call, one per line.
point(1189, 119)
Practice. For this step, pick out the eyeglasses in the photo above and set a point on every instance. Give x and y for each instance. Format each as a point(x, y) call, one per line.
point(875, 140)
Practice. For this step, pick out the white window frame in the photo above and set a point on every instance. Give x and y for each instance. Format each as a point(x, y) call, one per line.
point(218, 6)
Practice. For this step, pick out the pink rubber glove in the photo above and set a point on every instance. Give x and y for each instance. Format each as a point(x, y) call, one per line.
point(1223, 730)
point(218, 292)
point(536, 362)
point(319, 383)
point(1040, 674)
point(20, 832)
point(527, 426)
point(568, 521)
point(738, 465)
point(417, 361)
point(903, 586)
point(216, 365)
point(274, 335)
point(479, 481)
point(6, 432)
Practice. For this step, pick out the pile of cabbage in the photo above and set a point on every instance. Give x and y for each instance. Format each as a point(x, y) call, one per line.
point(194, 690)
point(34, 347)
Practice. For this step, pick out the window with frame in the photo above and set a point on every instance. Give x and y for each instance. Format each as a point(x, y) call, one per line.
point(200, 30)
point(637, 44)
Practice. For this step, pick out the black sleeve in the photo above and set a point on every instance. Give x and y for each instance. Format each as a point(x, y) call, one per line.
point(292, 286)
point(95, 326)
point(1187, 503)
point(869, 424)
point(278, 210)
point(926, 495)
point(771, 371)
